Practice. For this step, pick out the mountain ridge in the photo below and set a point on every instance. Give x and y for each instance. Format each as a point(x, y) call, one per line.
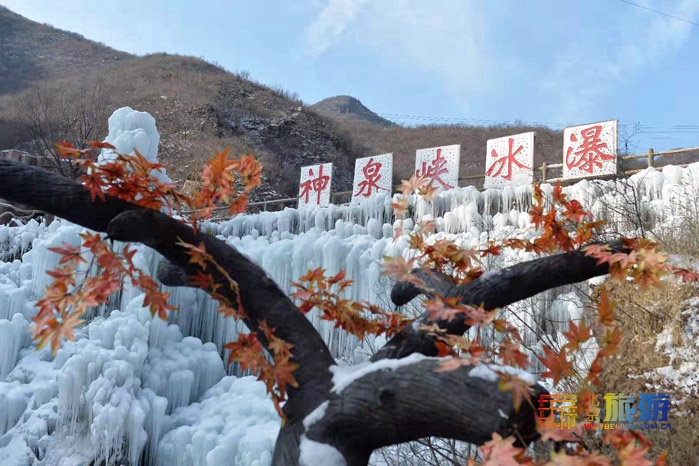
point(200, 107)
point(342, 107)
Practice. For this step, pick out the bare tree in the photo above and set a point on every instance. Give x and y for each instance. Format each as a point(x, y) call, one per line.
point(49, 114)
point(376, 409)
point(627, 138)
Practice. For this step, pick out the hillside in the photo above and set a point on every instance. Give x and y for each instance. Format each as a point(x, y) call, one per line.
point(31, 52)
point(371, 136)
point(200, 108)
point(350, 109)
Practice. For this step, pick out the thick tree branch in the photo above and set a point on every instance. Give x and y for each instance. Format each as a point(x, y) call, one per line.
point(435, 284)
point(492, 290)
point(261, 298)
point(387, 407)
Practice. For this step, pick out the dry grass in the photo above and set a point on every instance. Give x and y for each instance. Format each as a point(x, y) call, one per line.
point(403, 142)
point(641, 317)
point(682, 237)
point(200, 108)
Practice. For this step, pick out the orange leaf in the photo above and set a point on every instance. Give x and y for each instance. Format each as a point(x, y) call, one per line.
point(577, 335)
point(101, 145)
point(558, 196)
point(70, 254)
point(595, 371)
point(557, 364)
point(502, 452)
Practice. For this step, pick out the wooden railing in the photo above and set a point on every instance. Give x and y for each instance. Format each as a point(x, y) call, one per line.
point(541, 174)
point(263, 205)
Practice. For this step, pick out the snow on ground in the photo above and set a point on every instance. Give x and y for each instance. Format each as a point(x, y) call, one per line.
point(682, 372)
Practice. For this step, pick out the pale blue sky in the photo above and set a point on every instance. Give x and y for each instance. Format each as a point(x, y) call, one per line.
point(554, 62)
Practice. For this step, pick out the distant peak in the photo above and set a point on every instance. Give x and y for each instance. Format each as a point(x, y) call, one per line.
point(348, 107)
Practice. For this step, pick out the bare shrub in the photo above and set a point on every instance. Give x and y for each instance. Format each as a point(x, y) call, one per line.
point(51, 113)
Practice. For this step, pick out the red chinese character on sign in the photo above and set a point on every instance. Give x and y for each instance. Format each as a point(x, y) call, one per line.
point(590, 153)
point(372, 177)
point(506, 162)
point(436, 168)
point(318, 185)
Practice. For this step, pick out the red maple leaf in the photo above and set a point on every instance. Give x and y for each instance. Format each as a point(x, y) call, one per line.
point(557, 364)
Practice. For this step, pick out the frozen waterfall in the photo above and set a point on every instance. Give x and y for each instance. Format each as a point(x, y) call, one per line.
point(132, 387)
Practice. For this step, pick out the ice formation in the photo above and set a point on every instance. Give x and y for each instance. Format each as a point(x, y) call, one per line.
point(130, 131)
point(134, 388)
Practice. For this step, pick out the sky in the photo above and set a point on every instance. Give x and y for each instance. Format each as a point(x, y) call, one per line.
point(548, 62)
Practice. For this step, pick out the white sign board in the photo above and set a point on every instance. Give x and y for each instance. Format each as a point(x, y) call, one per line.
point(509, 161)
point(314, 187)
point(590, 150)
point(440, 165)
point(372, 175)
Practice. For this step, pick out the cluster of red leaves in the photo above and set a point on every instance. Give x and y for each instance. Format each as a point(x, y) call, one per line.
point(559, 362)
point(218, 184)
point(224, 180)
point(315, 290)
point(644, 264)
point(563, 225)
point(127, 177)
point(630, 449)
point(462, 265)
point(131, 178)
point(67, 298)
point(247, 350)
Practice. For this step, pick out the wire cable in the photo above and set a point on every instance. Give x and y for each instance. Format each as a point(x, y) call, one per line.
point(661, 13)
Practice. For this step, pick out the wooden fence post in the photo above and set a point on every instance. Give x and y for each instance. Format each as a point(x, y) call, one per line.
point(651, 158)
point(543, 172)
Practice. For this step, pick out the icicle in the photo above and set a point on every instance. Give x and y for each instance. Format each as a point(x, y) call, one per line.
point(492, 199)
point(13, 337)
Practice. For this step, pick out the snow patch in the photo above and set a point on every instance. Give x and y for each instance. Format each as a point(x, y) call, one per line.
point(316, 415)
point(491, 372)
point(345, 375)
point(315, 453)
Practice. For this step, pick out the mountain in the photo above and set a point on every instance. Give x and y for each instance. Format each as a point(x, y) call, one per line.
point(371, 135)
point(376, 138)
point(347, 108)
point(198, 107)
point(31, 52)
point(52, 78)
